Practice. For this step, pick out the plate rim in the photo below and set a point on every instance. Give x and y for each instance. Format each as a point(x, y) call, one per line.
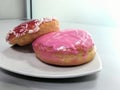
point(55, 76)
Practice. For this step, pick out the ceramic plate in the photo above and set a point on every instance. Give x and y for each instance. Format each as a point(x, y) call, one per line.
point(22, 60)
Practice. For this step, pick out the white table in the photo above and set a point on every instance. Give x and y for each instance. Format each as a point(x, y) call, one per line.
point(108, 47)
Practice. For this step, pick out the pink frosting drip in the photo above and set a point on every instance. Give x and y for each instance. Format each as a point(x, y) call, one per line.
point(66, 41)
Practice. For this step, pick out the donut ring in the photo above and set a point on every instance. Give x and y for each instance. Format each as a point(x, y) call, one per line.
point(66, 48)
point(28, 31)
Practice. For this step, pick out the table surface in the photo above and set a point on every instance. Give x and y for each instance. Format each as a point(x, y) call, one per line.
point(108, 46)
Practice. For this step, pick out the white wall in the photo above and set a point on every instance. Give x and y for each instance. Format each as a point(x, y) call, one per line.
point(12, 9)
point(100, 12)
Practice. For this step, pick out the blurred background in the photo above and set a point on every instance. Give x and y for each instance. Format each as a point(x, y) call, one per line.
point(12, 9)
point(95, 12)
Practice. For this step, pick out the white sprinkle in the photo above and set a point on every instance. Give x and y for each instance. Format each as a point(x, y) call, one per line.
point(21, 30)
point(17, 35)
point(77, 43)
point(61, 48)
point(36, 29)
point(30, 31)
point(26, 26)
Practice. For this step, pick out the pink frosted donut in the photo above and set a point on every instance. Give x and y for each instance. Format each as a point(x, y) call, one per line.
point(65, 48)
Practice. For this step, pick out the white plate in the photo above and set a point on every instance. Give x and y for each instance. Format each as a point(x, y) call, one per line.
point(23, 61)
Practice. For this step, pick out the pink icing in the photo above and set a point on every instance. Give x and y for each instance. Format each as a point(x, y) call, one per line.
point(65, 41)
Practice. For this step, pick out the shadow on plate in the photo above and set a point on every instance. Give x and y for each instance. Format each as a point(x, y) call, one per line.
point(90, 77)
point(23, 49)
point(17, 52)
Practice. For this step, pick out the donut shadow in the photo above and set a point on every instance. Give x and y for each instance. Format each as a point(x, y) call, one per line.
point(23, 49)
point(17, 52)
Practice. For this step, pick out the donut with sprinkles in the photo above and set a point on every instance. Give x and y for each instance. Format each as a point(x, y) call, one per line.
point(26, 32)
